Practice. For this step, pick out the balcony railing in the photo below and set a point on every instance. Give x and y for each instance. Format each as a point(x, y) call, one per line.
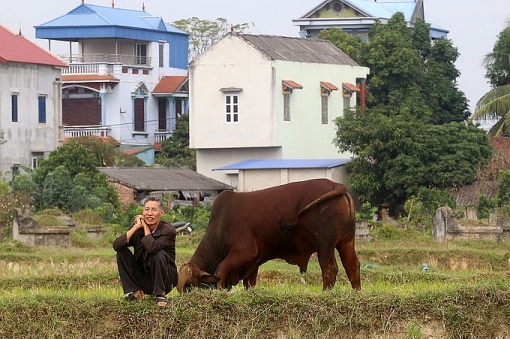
point(161, 136)
point(86, 131)
point(95, 63)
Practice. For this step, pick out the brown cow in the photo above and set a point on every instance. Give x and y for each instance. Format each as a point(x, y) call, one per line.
point(289, 222)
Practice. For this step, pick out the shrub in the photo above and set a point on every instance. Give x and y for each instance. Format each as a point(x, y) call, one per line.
point(366, 211)
point(485, 206)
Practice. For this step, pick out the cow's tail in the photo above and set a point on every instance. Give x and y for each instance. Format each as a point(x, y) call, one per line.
point(340, 190)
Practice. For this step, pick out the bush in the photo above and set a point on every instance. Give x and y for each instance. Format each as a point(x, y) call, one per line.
point(485, 206)
point(366, 212)
point(422, 207)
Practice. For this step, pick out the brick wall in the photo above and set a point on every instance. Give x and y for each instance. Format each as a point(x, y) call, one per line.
point(126, 195)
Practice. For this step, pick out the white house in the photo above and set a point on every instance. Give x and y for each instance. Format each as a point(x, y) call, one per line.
point(30, 102)
point(268, 97)
point(127, 75)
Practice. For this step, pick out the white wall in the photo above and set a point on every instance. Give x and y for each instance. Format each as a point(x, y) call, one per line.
point(27, 136)
point(231, 63)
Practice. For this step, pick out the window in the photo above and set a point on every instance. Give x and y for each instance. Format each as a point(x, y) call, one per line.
point(161, 55)
point(42, 109)
point(326, 89)
point(140, 54)
point(36, 156)
point(14, 107)
point(15, 169)
point(287, 87)
point(324, 108)
point(232, 108)
point(139, 106)
point(286, 106)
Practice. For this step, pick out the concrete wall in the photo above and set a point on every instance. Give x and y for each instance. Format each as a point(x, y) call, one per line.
point(27, 138)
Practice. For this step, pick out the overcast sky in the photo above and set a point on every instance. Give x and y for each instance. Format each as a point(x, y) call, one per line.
point(473, 25)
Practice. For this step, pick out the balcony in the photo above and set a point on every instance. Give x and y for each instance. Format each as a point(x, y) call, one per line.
point(86, 131)
point(99, 63)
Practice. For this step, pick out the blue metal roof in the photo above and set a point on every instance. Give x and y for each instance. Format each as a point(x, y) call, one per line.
point(96, 22)
point(254, 164)
point(89, 16)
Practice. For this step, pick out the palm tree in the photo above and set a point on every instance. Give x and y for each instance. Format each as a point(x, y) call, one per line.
point(495, 104)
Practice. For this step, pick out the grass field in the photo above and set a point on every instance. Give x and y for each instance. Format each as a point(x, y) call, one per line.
point(412, 287)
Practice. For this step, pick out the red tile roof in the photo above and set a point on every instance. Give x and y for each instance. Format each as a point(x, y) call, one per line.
point(89, 78)
point(328, 86)
point(350, 87)
point(17, 48)
point(169, 84)
point(292, 84)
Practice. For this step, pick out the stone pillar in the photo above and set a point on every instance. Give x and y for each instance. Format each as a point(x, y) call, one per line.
point(443, 220)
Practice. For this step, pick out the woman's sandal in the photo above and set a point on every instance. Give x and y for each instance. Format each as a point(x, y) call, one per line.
point(161, 301)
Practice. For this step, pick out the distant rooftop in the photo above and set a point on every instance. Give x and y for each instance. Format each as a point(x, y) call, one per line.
point(16, 48)
point(253, 164)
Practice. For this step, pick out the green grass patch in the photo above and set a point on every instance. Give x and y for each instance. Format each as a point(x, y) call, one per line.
point(464, 292)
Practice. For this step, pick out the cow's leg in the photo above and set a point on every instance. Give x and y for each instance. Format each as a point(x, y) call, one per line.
point(251, 279)
point(228, 268)
point(329, 266)
point(350, 262)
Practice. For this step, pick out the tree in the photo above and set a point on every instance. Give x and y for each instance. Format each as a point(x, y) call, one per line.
point(413, 133)
point(204, 33)
point(350, 44)
point(175, 151)
point(69, 179)
point(496, 102)
point(396, 156)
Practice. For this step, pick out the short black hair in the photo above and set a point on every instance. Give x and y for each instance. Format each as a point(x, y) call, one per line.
point(153, 198)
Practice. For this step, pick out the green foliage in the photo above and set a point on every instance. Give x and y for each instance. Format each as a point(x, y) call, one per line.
point(396, 156)
point(8, 202)
point(422, 207)
point(24, 184)
point(175, 151)
point(198, 216)
point(496, 102)
point(350, 44)
point(74, 158)
point(412, 133)
point(204, 33)
point(504, 188)
point(385, 232)
point(497, 63)
point(485, 206)
point(366, 212)
point(4, 188)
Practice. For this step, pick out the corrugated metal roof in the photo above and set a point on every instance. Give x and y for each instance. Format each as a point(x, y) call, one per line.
point(163, 179)
point(298, 49)
point(17, 48)
point(253, 164)
point(91, 15)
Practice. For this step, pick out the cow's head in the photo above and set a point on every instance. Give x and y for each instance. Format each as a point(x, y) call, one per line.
point(191, 276)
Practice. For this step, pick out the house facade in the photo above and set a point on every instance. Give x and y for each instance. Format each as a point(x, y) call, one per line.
point(30, 102)
point(268, 97)
point(357, 16)
point(127, 74)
